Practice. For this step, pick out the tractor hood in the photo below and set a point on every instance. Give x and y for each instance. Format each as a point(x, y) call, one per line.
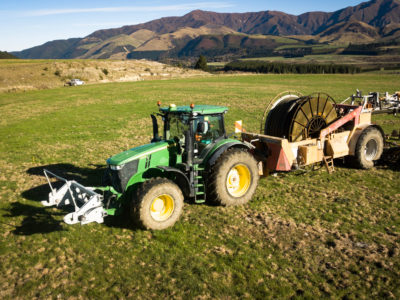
point(135, 153)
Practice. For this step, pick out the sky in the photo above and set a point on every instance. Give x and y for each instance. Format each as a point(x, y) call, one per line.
point(28, 23)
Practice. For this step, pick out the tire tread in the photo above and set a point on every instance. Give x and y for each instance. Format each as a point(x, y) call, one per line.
point(359, 160)
point(138, 204)
point(215, 192)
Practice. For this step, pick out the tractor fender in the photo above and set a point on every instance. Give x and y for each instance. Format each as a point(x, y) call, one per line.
point(214, 156)
point(354, 138)
point(181, 179)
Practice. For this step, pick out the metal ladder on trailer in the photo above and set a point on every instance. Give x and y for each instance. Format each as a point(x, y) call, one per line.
point(328, 160)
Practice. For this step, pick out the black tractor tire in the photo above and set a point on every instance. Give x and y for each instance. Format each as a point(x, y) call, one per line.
point(233, 179)
point(157, 204)
point(369, 148)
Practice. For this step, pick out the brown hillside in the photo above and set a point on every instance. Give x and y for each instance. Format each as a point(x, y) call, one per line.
point(143, 35)
point(350, 32)
point(169, 40)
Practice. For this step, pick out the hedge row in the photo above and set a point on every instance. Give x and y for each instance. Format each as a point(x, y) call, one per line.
point(284, 68)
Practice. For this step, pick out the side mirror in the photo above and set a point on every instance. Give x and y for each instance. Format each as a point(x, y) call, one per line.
point(202, 127)
point(156, 137)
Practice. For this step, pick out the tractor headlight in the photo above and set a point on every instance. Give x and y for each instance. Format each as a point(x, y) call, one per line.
point(120, 174)
point(116, 168)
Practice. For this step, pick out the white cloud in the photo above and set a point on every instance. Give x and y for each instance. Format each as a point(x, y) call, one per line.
point(179, 7)
point(101, 24)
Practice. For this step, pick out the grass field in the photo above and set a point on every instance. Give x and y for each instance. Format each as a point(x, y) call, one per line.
point(303, 235)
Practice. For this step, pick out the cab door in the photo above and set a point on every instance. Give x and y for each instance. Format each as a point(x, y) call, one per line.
point(207, 129)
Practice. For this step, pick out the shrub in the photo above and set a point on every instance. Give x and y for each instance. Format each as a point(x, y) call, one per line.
point(105, 71)
point(201, 64)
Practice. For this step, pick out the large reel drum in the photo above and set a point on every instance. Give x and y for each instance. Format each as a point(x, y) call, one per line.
point(300, 118)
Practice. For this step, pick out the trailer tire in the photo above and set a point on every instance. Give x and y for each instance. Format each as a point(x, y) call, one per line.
point(369, 148)
point(233, 178)
point(157, 204)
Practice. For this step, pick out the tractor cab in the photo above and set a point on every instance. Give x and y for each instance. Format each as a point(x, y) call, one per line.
point(192, 128)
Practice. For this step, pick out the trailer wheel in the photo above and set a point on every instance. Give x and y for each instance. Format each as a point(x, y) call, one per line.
point(369, 148)
point(157, 205)
point(233, 179)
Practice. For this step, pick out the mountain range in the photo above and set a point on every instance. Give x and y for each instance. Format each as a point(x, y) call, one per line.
point(244, 34)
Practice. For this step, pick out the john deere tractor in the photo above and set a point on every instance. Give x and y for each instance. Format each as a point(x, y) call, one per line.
point(192, 159)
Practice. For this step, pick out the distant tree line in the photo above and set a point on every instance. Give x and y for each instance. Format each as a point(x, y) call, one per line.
point(293, 52)
point(285, 68)
point(363, 49)
point(371, 49)
point(154, 55)
point(6, 55)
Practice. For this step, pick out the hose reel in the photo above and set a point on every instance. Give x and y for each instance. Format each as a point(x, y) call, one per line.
point(300, 118)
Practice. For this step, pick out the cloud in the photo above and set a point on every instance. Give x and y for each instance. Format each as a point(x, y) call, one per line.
point(102, 24)
point(179, 7)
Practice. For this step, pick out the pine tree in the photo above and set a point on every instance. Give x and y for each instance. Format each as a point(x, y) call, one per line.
point(201, 63)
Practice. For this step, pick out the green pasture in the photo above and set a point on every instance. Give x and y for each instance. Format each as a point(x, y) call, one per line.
point(305, 234)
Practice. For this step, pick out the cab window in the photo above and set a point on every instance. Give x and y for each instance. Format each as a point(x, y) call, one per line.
point(210, 131)
point(177, 126)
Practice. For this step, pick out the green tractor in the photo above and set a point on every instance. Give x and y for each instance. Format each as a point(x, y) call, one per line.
point(193, 159)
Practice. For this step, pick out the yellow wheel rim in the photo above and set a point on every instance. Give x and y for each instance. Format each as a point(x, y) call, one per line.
point(238, 180)
point(162, 207)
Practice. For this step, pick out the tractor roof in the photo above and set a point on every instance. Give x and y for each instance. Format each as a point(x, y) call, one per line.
point(200, 109)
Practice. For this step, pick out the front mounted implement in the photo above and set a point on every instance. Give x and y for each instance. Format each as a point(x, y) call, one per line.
point(88, 205)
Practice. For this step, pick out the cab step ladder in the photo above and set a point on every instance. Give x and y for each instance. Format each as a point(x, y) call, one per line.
point(199, 186)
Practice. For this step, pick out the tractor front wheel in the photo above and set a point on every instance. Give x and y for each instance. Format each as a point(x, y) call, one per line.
point(233, 179)
point(157, 205)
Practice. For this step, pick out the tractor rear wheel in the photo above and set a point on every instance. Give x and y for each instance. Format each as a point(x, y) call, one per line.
point(158, 204)
point(369, 148)
point(233, 179)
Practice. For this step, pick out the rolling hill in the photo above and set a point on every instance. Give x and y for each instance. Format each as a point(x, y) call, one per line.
point(349, 32)
point(204, 32)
